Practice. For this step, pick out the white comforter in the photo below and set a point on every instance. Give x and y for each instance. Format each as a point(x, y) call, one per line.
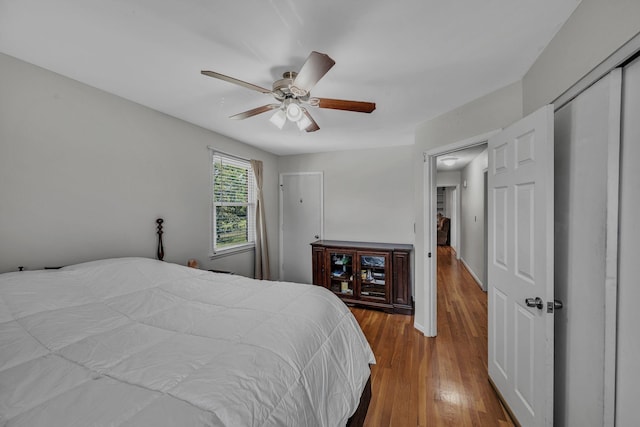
point(139, 342)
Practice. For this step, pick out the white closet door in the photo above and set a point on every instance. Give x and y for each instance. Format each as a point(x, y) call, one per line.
point(586, 136)
point(628, 366)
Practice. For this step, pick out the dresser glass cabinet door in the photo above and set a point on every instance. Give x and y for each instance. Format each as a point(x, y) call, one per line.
point(341, 273)
point(374, 276)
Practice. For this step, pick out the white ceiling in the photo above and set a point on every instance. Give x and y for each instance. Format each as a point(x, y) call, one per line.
point(416, 59)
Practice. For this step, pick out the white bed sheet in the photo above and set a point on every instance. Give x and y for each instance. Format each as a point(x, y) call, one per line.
point(139, 342)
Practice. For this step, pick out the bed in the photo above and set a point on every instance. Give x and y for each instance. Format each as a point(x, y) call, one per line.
point(141, 342)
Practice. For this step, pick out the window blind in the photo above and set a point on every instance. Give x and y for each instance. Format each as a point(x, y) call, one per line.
point(233, 185)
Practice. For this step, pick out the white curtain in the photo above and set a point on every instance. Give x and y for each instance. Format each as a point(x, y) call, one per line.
point(262, 253)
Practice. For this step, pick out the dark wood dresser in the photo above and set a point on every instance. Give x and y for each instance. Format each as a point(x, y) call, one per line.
point(376, 275)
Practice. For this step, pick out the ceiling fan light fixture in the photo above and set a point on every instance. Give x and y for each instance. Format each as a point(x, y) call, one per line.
point(294, 111)
point(303, 123)
point(279, 118)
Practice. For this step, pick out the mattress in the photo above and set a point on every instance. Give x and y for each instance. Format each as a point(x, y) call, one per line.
point(140, 342)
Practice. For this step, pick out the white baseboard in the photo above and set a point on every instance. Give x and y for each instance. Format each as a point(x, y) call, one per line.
point(473, 274)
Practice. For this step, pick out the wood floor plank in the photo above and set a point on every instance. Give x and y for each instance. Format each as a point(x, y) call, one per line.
point(441, 381)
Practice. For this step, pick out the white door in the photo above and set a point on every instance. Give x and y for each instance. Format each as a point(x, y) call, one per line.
point(300, 223)
point(586, 139)
point(520, 267)
point(628, 366)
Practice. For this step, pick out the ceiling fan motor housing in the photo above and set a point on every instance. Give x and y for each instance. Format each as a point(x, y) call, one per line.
point(284, 89)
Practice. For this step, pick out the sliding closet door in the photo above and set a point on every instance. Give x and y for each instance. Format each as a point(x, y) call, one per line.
point(586, 137)
point(628, 366)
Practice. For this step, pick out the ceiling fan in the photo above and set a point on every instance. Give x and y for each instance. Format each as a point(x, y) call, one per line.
point(293, 92)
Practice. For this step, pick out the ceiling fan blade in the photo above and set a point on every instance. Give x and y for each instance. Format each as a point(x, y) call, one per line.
point(313, 126)
point(341, 104)
point(313, 69)
point(235, 81)
point(255, 111)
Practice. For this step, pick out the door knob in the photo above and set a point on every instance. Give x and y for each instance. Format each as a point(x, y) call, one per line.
point(534, 302)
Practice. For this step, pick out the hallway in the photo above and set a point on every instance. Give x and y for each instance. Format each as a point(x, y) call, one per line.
point(440, 381)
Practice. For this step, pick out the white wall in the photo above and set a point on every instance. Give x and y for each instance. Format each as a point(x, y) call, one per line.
point(84, 174)
point(594, 31)
point(448, 201)
point(368, 194)
point(447, 178)
point(472, 220)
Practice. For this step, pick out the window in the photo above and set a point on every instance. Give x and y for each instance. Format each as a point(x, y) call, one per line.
point(234, 203)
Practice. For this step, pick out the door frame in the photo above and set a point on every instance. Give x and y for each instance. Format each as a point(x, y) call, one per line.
point(281, 214)
point(430, 228)
point(455, 219)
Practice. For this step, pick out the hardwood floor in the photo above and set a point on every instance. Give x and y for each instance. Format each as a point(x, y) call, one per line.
point(442, 381)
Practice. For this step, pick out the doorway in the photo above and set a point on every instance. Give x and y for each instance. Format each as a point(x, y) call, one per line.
point(430, 225)
point(448, 210)
point(461, 203)
point(520, 172)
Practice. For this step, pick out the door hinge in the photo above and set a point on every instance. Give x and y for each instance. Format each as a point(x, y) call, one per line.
point(429, 255)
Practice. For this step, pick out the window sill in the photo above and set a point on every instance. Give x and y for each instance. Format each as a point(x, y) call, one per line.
point(232, 251)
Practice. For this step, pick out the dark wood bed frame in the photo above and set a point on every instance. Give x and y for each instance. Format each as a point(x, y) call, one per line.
point(357, 419)
point(160, 251)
